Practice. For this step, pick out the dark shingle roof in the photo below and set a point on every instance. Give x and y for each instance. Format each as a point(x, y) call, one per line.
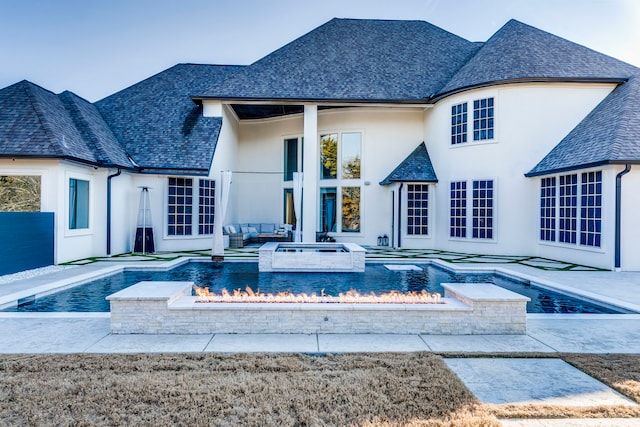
point(353, 60)
point(159, 125)
point(416, 167)
point(521, 52)
point(37, 123)
point(609, 134)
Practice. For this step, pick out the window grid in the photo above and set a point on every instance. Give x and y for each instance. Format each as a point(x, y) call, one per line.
point(418, 209)
point(482, 213)
point(180, 202)
point(568, 211)
point(458, 209)
point(206, 206)
point(591, 209)
point(459, 123)
point(548, 209)
point(483, 116)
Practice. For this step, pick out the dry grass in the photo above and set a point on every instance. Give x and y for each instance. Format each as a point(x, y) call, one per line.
point(415, 389)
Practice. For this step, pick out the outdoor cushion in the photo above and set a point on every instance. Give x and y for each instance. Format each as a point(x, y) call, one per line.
point(267, 228)
point(231, 229)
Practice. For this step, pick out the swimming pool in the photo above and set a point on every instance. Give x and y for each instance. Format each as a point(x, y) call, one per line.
point(90, 297)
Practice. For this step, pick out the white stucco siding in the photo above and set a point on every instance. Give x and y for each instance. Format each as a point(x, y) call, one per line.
point(388, 136)
point(123, 212)
point(530, 119)
point(630, 203)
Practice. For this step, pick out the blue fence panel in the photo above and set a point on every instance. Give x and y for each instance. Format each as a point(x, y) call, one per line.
point(26, 241)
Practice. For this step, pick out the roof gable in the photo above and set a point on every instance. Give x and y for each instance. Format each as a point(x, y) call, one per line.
point(159, 125)
point(609, 134)
point(353, 60)
point(416, 167)
point(520, 52)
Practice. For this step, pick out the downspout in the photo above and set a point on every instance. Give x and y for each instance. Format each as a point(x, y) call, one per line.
point(400, 214)
point(109, 209)
point(618, 242)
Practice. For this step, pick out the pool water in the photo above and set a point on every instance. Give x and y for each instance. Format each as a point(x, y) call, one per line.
point(90, 297)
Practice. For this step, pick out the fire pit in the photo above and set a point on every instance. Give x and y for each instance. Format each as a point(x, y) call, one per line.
point(170, 308)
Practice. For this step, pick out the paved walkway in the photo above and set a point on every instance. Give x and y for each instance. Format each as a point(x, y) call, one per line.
point(546, 333)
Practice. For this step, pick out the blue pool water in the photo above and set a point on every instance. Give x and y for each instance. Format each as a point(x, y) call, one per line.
point(90, 297)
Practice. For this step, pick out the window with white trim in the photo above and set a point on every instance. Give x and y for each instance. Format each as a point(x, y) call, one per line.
point(206, 205)
point(483, 119)
point(482, 213)
point(417, 209)
point(459, 123)
point(180, 207)
point(190, 206)
point(458, 209)
point(548, 209)
point(78, 204)
point(591, 209)
point(340, 182)
point(567, 221)
point(578, 212)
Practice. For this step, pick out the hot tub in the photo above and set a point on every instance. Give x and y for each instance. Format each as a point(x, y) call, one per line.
point(311, 257)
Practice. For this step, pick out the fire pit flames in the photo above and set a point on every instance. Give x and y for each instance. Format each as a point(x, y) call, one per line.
point(350, 297)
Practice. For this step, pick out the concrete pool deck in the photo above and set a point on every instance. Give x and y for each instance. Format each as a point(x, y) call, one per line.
point(546, 333)
point(576, 333)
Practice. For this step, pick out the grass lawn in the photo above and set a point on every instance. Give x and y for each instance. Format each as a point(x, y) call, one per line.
point(382, 389)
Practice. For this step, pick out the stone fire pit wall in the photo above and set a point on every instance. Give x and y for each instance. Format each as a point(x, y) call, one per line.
point(169, 308)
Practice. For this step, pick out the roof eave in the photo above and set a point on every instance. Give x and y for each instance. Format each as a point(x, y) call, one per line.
point(393, 181)
point(582, 166)
point(297, 101)
point(612, 80)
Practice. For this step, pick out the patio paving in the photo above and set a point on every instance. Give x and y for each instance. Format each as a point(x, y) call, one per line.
point(533, 381)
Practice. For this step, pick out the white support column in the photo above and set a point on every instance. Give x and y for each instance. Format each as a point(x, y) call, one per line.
point(310, 177)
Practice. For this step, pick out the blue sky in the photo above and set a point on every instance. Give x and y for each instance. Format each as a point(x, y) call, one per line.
point(95, 48)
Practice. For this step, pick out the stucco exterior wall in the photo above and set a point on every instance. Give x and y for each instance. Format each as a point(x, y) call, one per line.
point(530, 119)
point(388, 136)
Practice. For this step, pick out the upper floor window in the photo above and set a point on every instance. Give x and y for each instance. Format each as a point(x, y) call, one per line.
point(78, 204)
point(483, 119)
point(346, 146)
point(459, 123)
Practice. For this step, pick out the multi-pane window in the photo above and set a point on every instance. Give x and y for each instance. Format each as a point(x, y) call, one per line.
point(483, 119)
point(459, 123)
point(340, 172)
point(482, 213)
point(568, 208)
point(418, 209)
point(180, 206)
point(458, 209)
point(548, 209)
point(78, 204)
point(591, 209)
point(574, 207)
point(206, 205)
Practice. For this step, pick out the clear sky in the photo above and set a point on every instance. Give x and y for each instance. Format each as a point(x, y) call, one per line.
point(97, 47)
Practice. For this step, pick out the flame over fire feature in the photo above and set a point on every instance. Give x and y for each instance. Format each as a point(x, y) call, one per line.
point(350, 297)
